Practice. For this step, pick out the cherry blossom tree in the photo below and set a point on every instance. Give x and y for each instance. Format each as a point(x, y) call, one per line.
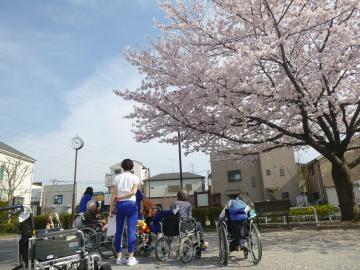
point(252, 76)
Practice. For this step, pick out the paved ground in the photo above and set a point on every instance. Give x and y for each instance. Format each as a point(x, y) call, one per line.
point(295, 249)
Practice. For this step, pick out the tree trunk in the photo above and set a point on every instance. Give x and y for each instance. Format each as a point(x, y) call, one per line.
point(345, 191)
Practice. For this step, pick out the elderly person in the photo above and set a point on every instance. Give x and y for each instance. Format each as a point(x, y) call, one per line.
point(184, 208)
point(92, 215)
point(123, 198)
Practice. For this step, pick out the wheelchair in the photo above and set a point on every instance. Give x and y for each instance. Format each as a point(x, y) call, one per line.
point(95, 237)
point(242, 234)
point(171, 228)
point(48, 250)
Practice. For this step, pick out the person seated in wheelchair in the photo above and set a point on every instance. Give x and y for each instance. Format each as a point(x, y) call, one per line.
point(236, 214)
point(184, 209)
point(92, 216)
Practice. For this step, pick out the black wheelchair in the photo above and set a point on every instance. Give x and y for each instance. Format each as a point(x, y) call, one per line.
point(184, 231)
point(49, 249)
point(238, 236)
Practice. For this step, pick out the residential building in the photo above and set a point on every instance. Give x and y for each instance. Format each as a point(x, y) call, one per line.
point(320, 184)
point(139, 170)
point(270, 175)
point(36, 197)
point(12, 160)
point(58, 198)
point(162, 188)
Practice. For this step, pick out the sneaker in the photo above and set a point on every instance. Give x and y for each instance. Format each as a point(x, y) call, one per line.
point(132, 261)
point(121, 261)
point(203, 245)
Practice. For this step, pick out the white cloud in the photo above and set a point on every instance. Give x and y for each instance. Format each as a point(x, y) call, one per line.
point(96, 115)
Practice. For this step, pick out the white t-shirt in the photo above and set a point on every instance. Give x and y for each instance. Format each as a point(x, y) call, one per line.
point(124, 183)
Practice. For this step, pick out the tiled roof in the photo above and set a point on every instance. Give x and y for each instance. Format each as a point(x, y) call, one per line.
point(175, 176)
point(6, 148)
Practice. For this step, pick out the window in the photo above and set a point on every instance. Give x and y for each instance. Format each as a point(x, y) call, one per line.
point(285, 195)
point(1, 172)
point(253, 181)
point(268, 172)
point(234, 176)
point(58, 199)
point(282, 172)
point(173, 188)
point(118, 171)
point(188, 187)
point(316, 196)
point(18, 201)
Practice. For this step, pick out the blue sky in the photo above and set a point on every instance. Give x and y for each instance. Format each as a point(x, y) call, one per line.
point(59, 62)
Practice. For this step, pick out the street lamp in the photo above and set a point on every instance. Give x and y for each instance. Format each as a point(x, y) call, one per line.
point(76, 143)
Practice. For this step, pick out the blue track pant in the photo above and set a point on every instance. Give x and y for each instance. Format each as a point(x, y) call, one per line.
point(126, 210)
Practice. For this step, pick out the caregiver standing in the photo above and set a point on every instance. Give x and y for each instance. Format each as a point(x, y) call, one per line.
point(123, 198)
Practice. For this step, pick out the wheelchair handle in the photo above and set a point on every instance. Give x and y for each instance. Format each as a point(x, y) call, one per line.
point(12, 208)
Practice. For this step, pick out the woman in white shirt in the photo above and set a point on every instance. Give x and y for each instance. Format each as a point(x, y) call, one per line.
point(123, 198)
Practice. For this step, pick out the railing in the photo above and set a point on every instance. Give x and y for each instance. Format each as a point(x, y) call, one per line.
point(307, 207)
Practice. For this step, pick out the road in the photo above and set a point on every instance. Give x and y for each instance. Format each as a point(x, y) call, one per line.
point(282, 250)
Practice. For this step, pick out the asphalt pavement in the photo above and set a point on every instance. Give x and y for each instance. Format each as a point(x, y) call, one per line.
point(285, 249)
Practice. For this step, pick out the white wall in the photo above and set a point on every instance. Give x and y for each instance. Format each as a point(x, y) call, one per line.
point(66, 191)
point(160, 188)
point(24, 190)
point(139, 170)
point(36, 194)
point(333, 198)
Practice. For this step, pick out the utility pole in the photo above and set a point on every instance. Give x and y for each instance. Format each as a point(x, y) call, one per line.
point(180, 163)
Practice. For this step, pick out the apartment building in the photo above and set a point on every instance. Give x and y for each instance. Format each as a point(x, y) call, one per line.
point(320, 184)
point(271, 175)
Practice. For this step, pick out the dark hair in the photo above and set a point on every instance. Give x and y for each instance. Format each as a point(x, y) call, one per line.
point(181, 195)
point(89, 190)
point(127, 164)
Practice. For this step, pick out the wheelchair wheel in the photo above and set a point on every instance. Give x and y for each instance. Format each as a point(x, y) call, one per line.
point(186, 249)
point(255, 247)
point(105, 245)
point(90, 236)
point(223, 245)
point(162, 249)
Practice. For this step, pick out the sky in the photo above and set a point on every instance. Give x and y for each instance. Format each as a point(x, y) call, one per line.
point(60, 61)
point(59, 64)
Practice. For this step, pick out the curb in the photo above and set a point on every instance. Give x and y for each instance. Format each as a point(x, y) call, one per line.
point(309, 226)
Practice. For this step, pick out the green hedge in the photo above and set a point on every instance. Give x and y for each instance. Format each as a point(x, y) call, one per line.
point(39, 223)
point(211, 212)
point(321, 210)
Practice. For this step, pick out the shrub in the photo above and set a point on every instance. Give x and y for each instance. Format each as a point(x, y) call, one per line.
point(321, 210)
point(211, 212)
point(65, 220)
point(40, 222)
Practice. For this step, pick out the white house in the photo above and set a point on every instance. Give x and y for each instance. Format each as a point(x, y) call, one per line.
point(162, 188)
point(36, 197)
point(11, 158)
point(139, 170)
point(58, 198)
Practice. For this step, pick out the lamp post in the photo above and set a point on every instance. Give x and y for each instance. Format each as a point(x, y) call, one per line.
point(76, 143)
point(180, 163)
